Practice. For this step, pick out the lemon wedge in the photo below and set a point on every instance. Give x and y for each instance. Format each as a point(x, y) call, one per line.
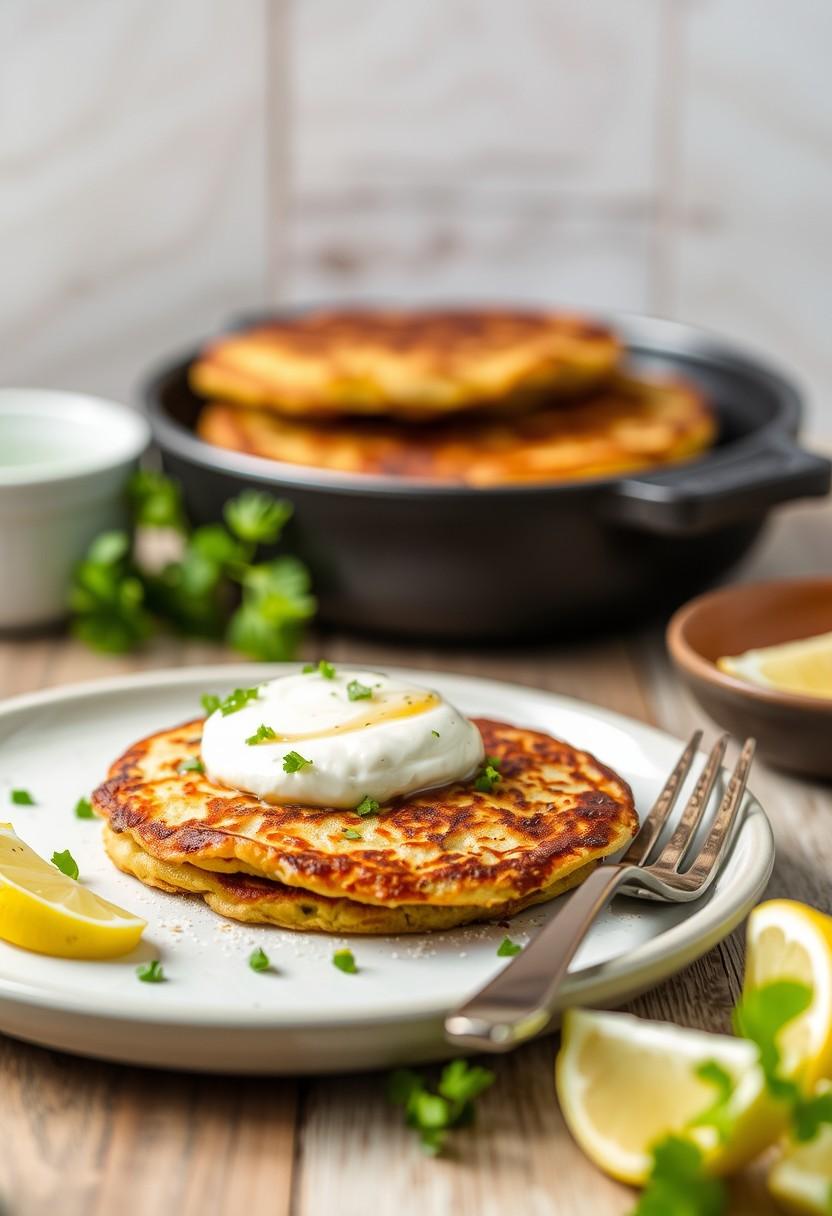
point(42, 909)
point(790, 941)
point(802, 667)
point(801, 1179)
point(625, 1084)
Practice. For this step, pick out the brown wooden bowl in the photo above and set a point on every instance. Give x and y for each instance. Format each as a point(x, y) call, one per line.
point(792, 731)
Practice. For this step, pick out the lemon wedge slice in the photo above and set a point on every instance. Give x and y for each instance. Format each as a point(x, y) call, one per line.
point(625, 1084)
point(801, 1179)
point(789, 941)
point(802, 667)
point(42, 909)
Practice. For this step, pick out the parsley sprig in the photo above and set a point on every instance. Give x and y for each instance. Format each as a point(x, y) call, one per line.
point(293, 762)
point(434, 1114)
point(678, 1183)
point(262, 735)
point(488, 776)
point(216, 587)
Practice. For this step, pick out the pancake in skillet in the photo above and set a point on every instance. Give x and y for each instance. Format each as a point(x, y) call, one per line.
point(417, 365)
point(425, 861)
point(632, 424)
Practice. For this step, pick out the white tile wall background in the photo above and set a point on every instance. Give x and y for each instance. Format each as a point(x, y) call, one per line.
point(164, 163)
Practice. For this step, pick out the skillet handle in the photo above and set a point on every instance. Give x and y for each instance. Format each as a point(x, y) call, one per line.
point(721, 490)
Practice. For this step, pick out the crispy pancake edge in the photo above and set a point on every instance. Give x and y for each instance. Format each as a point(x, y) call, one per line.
point(219, 835)
point(260, 901)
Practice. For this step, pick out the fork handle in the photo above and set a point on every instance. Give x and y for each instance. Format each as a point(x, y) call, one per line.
point(518, 1002)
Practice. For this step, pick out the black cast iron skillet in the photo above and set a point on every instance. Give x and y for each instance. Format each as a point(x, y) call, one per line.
point(516, 561)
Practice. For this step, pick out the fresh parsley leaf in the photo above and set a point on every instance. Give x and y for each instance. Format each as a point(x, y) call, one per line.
point(344, 960)
point(210, 703)
point(276, 604)
point(356, 691)
point(83, 809)
point(507, 948)
point(431, 1114)
point(151, 972)
point(678, 1184)
point(22, 798)
point(810, 1114)
point(156, 500)
point(293, 762)
point(237, 700)
point(367, 806)
point(261, 735)
point(493, 762)
point(193, 764)
point(258, 960)
point(352, 834)
point(435, 734)
point(214, 543)
point(327, 670)
point(716, 1115)
point(256, 517)
point(107, 597)
point(66, 863)
point(486, 779)
point(760, 1016)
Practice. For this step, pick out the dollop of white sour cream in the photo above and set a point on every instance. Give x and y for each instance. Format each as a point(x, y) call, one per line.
point(398, 740)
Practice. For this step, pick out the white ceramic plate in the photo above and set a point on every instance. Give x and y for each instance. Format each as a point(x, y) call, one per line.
point(213, 1012)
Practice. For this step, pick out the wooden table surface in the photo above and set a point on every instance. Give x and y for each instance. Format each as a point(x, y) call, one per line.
point(80, 1137)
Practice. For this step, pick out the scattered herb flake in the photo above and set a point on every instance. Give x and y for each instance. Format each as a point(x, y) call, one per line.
point(210, 702)
point(435, 734)
point(507, 948)
point(22, 798)
point(258, 960)
point(261, 735)
point(66, 863)
point(433, 1115)
point(352, 834)
point(344, 960)
point(486, 779)
point(192, 765)
point(83, 809)
point(237, 700)
point(356, 691)
point(151, 972)
point(293, 762)
point(367, 806)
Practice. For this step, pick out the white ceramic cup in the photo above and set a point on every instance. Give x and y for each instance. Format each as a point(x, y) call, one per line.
point(64, 462)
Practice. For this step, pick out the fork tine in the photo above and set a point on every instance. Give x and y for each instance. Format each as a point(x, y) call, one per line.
point(641, 847)
point(674, 852)
point(706, 866)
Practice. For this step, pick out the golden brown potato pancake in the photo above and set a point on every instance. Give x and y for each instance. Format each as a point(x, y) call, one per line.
point(632, 424)
point(261, 901)
point(555, 811)
point(416, 365)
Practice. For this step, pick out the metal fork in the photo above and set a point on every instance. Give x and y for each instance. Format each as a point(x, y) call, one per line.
point(519, 1002)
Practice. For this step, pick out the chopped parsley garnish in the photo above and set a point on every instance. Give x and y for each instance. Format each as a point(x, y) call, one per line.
point(192, 765)
point(293, 762)
point(22, 798)
point(238, 699)
point(435, 734)
point(210, 702)
point(367, 806)
point(344, 960)
point(256, 517)
point(322, 667)
point(352, 834)
point(679, 1183)
point(507, 948)
point(83, 809)
point(431, 1114)
point(261, 735)
point(66, 863)
point(150, 973)
point(487, 777)
point(258, 960)
point(356, 691)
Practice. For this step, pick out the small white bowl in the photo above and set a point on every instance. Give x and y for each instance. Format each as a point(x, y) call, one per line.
point(64, 462)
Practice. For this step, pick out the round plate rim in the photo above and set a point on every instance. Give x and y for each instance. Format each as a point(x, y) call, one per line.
point(654, 960)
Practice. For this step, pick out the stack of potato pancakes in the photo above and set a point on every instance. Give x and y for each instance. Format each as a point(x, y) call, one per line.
point(479, 397)
point(426, 861)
